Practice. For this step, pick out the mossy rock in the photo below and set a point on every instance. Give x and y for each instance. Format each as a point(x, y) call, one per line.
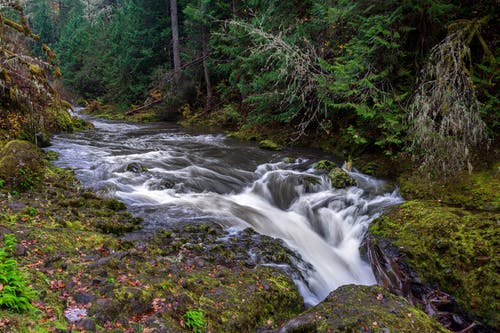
point(270, 145)
point(480, 190)
point(340, 178)
point(136, 167)
point(362, 309)
point(325, 165)
point(451, 247)
point(20, 164)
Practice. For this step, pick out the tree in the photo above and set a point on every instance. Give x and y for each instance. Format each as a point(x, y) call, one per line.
point(28, 102)
point(175, 41)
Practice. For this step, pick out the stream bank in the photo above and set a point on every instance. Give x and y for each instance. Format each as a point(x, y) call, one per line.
point(158, 280)
point(107, 283)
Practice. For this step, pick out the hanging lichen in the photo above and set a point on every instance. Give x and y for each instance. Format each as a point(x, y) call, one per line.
point(444, 117)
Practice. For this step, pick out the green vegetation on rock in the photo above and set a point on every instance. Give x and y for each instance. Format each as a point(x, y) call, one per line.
point(270, 145)
point(362, 309)
point(20, 164)
point(452, 247)
point(340, 178)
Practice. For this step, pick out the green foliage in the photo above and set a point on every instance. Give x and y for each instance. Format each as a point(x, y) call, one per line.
point(15, 294)
point(113, 52)
point(195, 320)
point(344, 69)
point(2, 183)
point(32, 211)
point(26, 179)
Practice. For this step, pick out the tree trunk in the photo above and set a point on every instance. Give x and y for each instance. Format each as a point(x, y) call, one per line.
point(235, 7)
point(175, 41)
point(206, 72)
point(205, 53)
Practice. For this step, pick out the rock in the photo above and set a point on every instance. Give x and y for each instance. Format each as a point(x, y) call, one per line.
point(42, 140)
point(270, 145)
point(164, 184)
point(453, 252)
point(354, 308)
point(88, 325)
point(20, 164)
point(19, 250)
point(136, 167)
point(83, 298)
point(340, 178)
point(325, 165)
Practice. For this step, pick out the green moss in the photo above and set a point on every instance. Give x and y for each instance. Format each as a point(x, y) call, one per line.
point(325, 165)
point(270, 145)
point(362, 309)
point(454, 248)
point(480, 191)
point(340, 178)
point(20, 164)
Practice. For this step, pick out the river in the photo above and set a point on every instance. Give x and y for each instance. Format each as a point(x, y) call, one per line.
point(167, 175)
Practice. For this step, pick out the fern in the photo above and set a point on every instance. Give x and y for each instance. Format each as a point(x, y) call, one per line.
point(15, 294)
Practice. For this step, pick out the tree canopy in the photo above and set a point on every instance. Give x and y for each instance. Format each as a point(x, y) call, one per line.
point(351, 70)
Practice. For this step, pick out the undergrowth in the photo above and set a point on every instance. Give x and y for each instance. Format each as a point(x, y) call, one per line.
point(15, 294)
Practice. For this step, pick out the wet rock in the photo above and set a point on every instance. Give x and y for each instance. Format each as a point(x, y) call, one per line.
point(340, 178)
point(164, 184)
point(270, 145)
point(104, 310)
point(42, 140)
point(136, 167)
point(19, 250)
point(362, 309)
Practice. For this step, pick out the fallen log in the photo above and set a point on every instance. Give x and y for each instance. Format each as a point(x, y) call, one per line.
point(143, 107)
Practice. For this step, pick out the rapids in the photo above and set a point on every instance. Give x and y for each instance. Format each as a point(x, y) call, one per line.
point(168, 175)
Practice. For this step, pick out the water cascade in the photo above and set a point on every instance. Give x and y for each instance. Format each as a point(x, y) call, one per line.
point(167, 175)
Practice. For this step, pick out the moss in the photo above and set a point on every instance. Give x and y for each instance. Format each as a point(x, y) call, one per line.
point(340, 178)
point(20, 164)
point(325, 165)
point(455, 249)
point(480, 191)
point(270, 145)
point(362, 309)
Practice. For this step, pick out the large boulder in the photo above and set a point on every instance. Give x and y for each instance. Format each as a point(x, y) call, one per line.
point(354, 308)
point(437, 247)
point(20, 164)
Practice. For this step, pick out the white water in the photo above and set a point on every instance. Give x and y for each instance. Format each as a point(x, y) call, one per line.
point(239, 186)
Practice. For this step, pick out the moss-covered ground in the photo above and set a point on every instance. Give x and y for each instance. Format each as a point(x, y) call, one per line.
point(448, 232)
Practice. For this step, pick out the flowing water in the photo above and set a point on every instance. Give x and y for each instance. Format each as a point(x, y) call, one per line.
point(168, 175)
